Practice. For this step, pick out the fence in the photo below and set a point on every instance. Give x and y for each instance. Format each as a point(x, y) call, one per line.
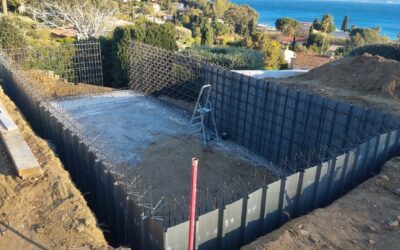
point(263, 117)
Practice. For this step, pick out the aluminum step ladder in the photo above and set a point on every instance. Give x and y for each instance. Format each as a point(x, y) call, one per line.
point(201, 110)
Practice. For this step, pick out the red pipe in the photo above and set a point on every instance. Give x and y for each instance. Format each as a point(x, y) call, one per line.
point(192, 208)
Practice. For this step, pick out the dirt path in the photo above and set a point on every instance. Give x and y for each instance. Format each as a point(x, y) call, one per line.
point(46, 212)
point(366, 218)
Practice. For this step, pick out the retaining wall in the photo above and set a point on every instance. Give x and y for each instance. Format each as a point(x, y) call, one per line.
point(284, 125)
point(263, 117)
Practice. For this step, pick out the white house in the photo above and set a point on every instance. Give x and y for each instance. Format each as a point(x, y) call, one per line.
point(289, 56)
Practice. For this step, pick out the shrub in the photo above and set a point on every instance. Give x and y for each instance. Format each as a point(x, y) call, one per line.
point(10, 34)
point(157, 35)
point(388, 51)
point(40, 34)
point(229, 57)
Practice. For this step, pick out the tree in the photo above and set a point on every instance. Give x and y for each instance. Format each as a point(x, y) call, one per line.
point(88, 19)
point(273, 54)
point(327, 26)
point(242, 18)
point(162, 36)
point(4, 7)
point(220, 6)
point(365, 36)
point(288, 27)
point(11, 35)
point(316, 24)
point(207, 35)
point(345, 24)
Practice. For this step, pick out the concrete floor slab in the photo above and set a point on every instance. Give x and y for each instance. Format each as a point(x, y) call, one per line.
point(148, 139)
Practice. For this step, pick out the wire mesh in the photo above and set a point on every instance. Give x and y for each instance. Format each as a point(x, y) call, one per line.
point(175, 77)
point(78, 62)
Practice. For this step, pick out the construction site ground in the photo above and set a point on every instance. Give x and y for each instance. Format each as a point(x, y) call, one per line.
point(369, 216)
point(148, 139)
point(47, 212)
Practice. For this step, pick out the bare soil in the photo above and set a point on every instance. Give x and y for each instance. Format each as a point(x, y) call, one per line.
point(366, 73)
point(51, 87)
point(371, 81)
point(47, 212)
point(166, 168)
point(366, 218)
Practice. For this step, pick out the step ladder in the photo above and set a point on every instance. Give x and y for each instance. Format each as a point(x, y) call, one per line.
point(201, 110)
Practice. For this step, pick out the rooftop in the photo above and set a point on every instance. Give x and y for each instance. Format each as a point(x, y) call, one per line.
point(307, 61)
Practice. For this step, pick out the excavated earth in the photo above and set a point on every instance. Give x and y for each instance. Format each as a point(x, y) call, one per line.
point(371, 81)
point(47, 212)
point(369, 216)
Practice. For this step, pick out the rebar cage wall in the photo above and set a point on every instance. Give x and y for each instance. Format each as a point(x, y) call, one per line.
point(78, 62)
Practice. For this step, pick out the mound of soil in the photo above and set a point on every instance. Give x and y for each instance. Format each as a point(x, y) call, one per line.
point(366, 73)
point(52, 87)
point(47, 212)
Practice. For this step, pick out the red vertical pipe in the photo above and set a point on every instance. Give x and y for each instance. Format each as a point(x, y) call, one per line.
point(192, 208)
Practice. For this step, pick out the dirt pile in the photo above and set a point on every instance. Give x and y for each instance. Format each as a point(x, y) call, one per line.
point(366, 218)
point(47, 212)
point(52, 87)
point(366, 73)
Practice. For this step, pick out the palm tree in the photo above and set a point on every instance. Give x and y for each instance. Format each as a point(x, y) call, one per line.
point(4, 6)
point(326, 27)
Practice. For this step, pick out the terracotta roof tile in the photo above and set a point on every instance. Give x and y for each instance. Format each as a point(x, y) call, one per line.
point(306, 61)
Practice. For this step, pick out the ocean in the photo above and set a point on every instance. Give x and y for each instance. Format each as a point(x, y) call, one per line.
point(385, 15)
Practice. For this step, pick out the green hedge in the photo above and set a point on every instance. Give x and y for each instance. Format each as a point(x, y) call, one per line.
point(388, 51)
point(234, 58)
point(117, 48)
point(10, 34)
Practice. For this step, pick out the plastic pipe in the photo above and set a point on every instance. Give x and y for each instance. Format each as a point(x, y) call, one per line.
point(192, 208)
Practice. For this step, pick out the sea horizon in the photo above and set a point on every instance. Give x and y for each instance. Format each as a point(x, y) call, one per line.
point(366, 14)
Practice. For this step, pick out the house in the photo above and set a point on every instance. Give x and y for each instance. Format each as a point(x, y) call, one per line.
point(289, 57)
point(307, 62)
